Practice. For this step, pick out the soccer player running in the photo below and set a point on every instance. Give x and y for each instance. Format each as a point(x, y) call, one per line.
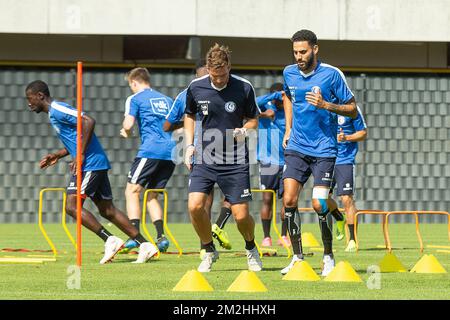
point(153, 165)
point(95, 183)
point(310, 139)
point(350, 132)
point(225, 101)
point(174, 121)
point(271, 129)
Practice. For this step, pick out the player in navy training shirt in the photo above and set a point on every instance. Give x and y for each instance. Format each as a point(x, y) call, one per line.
point(310, 86)
point(153, 165)
point(174, 120)
point(95, 182)
point(221, 155)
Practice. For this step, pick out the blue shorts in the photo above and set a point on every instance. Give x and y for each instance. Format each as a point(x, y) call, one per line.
point(151, 173)
point(95, 185)
point(344, 179)
point(233, 181)
point(271, 178)
point(300, 166)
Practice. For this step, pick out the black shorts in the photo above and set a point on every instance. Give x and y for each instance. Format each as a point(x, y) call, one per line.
point(344, 179)
point(300, 166)
point(95, 185)
point(151, 173)
point(271, 178)
point(233, 181)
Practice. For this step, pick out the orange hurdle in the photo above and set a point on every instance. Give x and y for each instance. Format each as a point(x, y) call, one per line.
point(383, 225)
point(416, 215)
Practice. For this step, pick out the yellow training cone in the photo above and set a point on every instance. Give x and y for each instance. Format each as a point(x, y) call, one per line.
point(308, 240)
point(247, 281)
point(302, 271)
point(343, 271)
point(428, 264)
point(193, 281)
point(390, 263)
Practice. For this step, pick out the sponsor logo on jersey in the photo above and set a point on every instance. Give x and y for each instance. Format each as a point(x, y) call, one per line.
point(160, 106)
point(246, 193)
point(347, 187)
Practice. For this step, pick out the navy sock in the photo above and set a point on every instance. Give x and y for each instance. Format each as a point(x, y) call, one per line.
point(225, 213)
point(159, 228)
point(103, 233)
point(249, 245)
point(209, 247)
point(136, 223)
point(266, 227)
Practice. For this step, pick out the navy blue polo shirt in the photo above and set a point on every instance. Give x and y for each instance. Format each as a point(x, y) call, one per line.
point(221, 111)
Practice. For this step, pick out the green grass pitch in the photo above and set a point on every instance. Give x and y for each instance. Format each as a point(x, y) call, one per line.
point(155, 280)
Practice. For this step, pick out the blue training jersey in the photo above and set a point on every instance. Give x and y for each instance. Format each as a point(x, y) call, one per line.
point(314, 130)
point(176, 113)
point(63, 118)
point(271, 132)
point(150, 108)
point(347, 150)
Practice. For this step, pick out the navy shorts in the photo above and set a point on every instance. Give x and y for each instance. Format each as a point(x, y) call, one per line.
point(300, 166)
point(344, 178)
point(233, 181)
point(95, 185)
point(271, 178)
point(151, 173)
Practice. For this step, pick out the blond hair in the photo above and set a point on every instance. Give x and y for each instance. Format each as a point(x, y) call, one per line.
point(218, 56)
point(138, 74)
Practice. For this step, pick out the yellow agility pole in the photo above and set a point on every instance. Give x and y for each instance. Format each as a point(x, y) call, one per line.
point(274, 220)
point(40, 214)
point(166, 227)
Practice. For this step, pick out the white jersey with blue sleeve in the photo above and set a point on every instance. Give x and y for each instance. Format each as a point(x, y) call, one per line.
point(347, 150)
point(63, 118)
point(271, 132)
point(314, 130)
point(176, 113)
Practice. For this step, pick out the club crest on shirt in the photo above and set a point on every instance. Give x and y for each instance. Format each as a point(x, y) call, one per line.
point(230, 106)
point(341, 120)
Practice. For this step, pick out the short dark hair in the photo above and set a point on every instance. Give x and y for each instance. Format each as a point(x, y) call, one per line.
point(201, 63)
point(277, 86)
point(305, 35)
point(38, 86)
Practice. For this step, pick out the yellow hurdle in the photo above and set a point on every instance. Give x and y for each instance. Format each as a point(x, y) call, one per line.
point(166, 227)
point(63, 218)
point(274, 220)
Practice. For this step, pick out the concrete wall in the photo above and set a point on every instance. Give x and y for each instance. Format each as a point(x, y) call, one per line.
point(268, 53)
point(368, 20)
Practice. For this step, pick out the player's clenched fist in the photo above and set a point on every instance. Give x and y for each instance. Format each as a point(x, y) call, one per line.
point(189, 156)
point(48, 160)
